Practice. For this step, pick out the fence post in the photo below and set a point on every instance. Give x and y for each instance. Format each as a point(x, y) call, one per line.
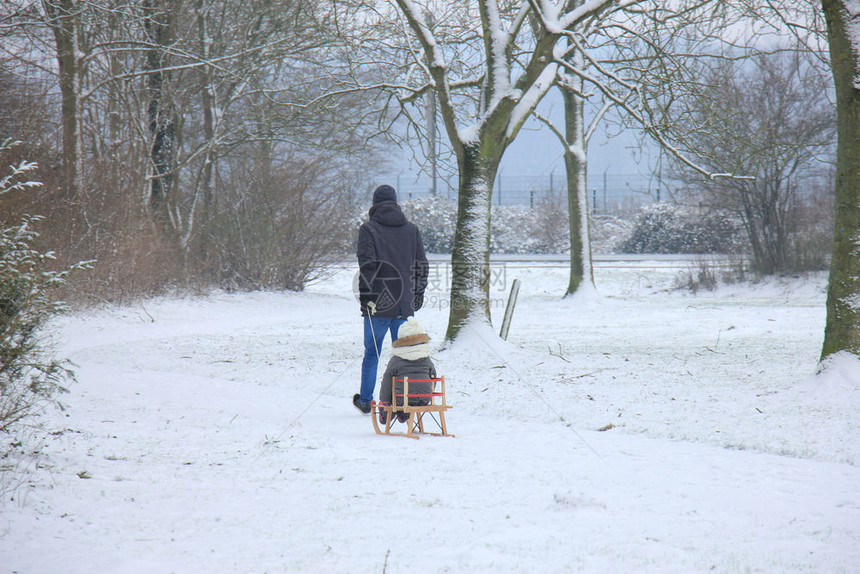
point(509, 310)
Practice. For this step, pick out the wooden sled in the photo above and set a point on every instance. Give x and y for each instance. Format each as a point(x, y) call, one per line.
point(436, 409)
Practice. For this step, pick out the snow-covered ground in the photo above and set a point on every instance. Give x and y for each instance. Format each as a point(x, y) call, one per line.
point(635, 429)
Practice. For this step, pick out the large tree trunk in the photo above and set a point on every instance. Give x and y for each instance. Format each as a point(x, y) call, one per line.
point(842, 329)
point(470, 256)
point(160, 116)
point(575, 162)
point(63, 18)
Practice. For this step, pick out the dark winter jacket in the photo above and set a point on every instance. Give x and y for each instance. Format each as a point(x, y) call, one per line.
point(393, 268)
point(418, 369)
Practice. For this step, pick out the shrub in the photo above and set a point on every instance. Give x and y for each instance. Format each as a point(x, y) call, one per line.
point(700, 277)
point(280, 231)
point(29, 376)
point(665, 228)
point(514, 228)
point(437, 219)
point(810, 236)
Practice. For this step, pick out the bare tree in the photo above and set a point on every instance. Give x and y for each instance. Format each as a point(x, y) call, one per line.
point(765, 116)
point(63, 17)
point(574, 140)
point(624, 67)
point(773, 21)
point(487, 84)
point(159, 23)
point(171, 96)
point(490, 63)
point(282, 228)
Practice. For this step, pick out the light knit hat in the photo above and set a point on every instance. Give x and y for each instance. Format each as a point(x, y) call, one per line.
point(412, 342)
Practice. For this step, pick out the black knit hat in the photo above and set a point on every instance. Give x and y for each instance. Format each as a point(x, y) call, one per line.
point(384, 193)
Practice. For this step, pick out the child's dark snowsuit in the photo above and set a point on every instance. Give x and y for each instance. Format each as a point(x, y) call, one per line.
point(411, 359)
point(418, 369)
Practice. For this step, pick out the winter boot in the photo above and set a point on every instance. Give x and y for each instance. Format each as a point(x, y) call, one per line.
point(363, 407)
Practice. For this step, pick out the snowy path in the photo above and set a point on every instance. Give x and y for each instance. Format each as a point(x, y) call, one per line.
point(216, 435)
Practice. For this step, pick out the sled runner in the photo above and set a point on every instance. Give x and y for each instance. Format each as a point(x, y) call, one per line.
point(414, 414)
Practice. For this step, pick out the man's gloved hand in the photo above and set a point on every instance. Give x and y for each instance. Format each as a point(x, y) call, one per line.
point(371, 308)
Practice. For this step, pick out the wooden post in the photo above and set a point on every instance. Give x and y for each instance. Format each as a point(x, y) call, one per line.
point(509, 310)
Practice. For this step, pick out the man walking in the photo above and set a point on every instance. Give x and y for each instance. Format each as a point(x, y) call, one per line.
point(393, 272)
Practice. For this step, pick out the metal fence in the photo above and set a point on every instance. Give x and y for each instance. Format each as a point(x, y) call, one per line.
point(608, 193)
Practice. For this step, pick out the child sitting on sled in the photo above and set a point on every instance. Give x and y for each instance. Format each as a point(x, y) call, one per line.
point(410, 358)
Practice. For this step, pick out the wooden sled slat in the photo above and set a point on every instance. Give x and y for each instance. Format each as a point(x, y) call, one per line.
point(416, 413)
